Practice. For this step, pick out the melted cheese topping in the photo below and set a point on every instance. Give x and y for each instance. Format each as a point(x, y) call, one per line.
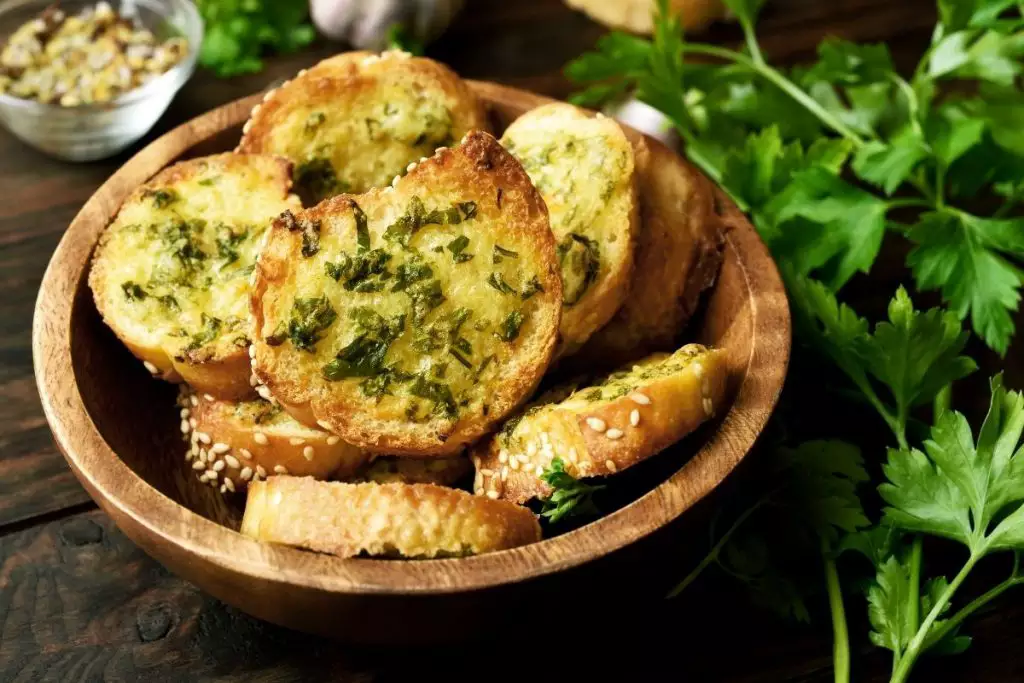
point(177, 260)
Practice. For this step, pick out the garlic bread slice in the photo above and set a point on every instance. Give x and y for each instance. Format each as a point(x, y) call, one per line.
point(409, 320)
point(393, 520)
point(678, 254)
point(171, 273)
point(583, 167)
point(358, 119)
point(233, 443)
point(603, 427)
point(396, 469)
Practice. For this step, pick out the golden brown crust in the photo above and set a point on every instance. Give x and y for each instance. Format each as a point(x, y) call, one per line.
point(487, 182)
point(678, 255)
point(158, 325)
point(636, 418)
point(407, 520)
point(583, 166)
point(368, 115)
point(234, 443)
point(396, 469)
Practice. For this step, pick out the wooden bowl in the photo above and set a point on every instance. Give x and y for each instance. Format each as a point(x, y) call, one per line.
point(119, 432)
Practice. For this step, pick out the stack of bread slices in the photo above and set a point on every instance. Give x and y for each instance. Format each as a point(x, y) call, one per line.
point(362, 300)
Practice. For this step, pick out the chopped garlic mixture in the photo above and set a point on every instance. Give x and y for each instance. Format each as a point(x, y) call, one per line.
point(88, 58)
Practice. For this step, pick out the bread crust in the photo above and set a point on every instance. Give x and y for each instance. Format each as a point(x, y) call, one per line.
point(255, 439)
point(407, 520)
point(134, 250)
point(368, 115)
point(483, 179)
point(583, 166)
point(597, 437)
point(678, 255)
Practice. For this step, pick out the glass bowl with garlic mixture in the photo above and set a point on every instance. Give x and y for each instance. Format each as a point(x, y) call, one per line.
point(83, 79)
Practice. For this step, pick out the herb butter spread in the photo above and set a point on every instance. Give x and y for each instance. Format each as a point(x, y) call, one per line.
point(356, 121)
point(173, 269)
point(421, 305)
point(583, 167)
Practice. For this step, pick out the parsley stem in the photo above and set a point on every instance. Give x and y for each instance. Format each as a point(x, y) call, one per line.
point(783, 83)
point(917, 643)
point(751, 38)
point(716, 550)
point(973, 606)
point(914, 595)
point(840, 634)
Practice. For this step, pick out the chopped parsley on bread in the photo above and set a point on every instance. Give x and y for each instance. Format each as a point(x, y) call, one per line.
point(233, 443)
point(603, 427)
point(411, 319)
point(390, 520)
point(356, 120)
point(583, 167)
point(171, 273)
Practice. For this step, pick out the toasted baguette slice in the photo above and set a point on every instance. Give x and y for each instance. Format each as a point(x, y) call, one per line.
point(440, 471)
point(603, 428)
point(232, 443)
point(171, 273)
point(356, 120)
point(409, 320)
point(678, 255)
point(404, 520)
point(583, 167)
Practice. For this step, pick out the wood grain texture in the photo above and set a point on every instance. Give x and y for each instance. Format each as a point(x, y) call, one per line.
point(133, 470)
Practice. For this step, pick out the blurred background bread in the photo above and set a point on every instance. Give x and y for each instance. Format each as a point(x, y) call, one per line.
point(638, 15)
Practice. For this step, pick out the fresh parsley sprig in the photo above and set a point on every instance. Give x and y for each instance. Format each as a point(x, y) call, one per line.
point(570, 497)
point(829, 158)
point(240, 32)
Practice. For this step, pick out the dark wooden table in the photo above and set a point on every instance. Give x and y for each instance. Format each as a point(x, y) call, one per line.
point(78, 602)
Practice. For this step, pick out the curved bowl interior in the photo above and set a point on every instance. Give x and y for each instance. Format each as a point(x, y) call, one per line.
point(119, 431)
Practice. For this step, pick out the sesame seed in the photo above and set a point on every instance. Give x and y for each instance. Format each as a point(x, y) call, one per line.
point(333, 440)
point(232, 461)
point(641, 399)
point(189, 455)
point(611, 466)
point(204, 477)
point(193, 400)
point(260, 438)
point(698, 369)
point(208, 397)
point(531, 449)
point(204, 437)
point(503, 456)
point(634, 417)
point(544, 438)
point(185, 412)
point(539, 471)
point(252, 350)
point(709, 407)
point(614, 434)
point(220, 448)
point(245, 453)
point(218, 466)
point(596, 423)
point(254, 381)
point(280, 469)
point(245, 474)
point(513, 463)
point(323, 425)
point(260, 471)
point(479, 490)
point(149, 366)
point(523, 459)
point(185, 427)
point(478, 481)
point(203, 455)
point(394, 183)
point(296, 441)
point(487, 473)
point(308, 452)
point(493, 495)
point(411, 167)
point(230, 484)
point(264, 393)
point(476, 461)
point(192, 422)
point(211, 475)
point(199, 465)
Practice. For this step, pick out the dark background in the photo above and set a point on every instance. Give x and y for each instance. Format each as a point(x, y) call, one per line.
point(79, 602)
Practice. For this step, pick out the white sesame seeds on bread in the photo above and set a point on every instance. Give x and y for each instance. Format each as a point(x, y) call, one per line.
point(606, 426)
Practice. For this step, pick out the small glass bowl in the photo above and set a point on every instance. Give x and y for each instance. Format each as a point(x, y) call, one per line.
point(96, 131)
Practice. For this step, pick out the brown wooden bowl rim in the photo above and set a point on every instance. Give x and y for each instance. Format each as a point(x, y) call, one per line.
point(153, 515)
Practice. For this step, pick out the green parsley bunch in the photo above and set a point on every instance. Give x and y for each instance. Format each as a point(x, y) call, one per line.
point(240, 32)
point(828, 159)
